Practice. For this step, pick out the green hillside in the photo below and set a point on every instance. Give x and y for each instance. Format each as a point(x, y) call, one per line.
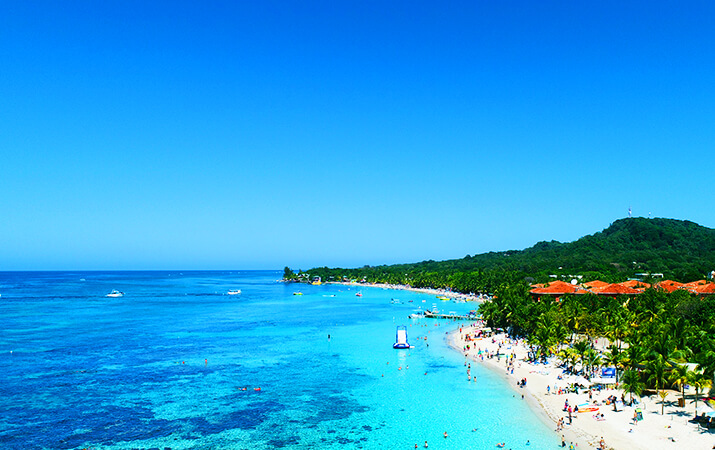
point(680, 250)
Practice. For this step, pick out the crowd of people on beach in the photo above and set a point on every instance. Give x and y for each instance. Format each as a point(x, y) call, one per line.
point(596, 406)
point(480, 347)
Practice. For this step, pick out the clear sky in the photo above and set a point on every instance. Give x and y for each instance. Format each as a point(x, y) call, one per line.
point(259, 134)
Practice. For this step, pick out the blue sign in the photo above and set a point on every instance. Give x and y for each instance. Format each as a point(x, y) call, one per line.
point(608, 372)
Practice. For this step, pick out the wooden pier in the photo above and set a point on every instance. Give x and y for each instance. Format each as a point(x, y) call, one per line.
point(431, 315)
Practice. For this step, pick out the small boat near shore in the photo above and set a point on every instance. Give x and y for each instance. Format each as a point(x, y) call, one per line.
point(115, 293)
point(297, 293)
point(234, 292)
point(359, 294)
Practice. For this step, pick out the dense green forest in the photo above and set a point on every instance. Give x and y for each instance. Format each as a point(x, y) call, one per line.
point(680, 250)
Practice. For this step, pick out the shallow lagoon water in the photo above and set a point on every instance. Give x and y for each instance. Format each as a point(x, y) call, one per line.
point(165, 367)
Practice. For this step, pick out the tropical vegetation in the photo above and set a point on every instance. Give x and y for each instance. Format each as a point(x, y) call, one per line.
point(658, 340)
point(677, 249)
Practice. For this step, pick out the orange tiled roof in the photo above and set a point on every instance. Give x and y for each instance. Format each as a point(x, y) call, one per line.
point(555, 288)
point(617, 289)
point(695, 283)
point(704, 289)
point(635, 284)
point(595, 284)
point(631, 287)
point(669, 285)
point(581, 291)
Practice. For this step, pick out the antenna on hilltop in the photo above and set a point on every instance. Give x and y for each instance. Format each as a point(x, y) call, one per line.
point(630, 213)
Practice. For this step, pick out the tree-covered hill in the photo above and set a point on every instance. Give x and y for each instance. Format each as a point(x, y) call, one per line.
point(680, 250)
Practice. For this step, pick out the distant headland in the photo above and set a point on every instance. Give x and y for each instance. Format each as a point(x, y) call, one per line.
point(647, 250)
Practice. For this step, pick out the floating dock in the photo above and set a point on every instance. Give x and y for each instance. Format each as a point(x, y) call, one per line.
point(452, 316)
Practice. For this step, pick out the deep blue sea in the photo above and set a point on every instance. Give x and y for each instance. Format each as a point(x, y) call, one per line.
point(166, 366)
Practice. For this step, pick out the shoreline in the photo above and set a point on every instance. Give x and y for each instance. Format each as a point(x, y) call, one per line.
point(656, 431)
point(430, 291)
point(532, 401)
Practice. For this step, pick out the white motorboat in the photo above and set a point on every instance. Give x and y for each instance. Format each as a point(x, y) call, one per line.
point(234, 292)
point(115, 293)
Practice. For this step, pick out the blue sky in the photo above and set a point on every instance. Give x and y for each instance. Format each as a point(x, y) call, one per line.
point(239, 135)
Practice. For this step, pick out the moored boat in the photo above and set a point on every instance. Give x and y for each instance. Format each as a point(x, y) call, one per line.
point(115, 293)
point(234, 292)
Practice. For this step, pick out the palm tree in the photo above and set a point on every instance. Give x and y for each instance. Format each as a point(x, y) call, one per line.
point(568, 356)
point(706, 360)
point(560, 333)
point(699, 381)
point(679, 377)
point(656, 367)
point(591, 359)
point(635, 355)
point(615, 357)
point(580, 348)
point(681, 333)
point(543, 339)
point(617, 325)
point(631, 383)
point(662, 395)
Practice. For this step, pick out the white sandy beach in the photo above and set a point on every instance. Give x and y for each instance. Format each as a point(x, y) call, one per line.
point(669, 431)
point(401, 287)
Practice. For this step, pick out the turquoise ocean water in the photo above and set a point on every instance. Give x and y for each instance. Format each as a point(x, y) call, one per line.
point(165, 367)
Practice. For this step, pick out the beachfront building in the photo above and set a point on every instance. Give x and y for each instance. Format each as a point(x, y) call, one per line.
point(556, 289)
